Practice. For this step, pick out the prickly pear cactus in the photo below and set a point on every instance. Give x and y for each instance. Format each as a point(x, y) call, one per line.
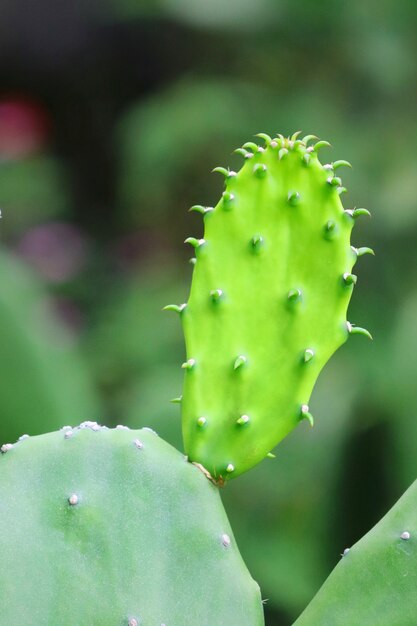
point(271, 286)
point(375, 582)
point(103, 527)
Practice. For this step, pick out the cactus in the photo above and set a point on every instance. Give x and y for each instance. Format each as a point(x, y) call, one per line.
point(270, 290)
point(376, 579)
point(105, 527)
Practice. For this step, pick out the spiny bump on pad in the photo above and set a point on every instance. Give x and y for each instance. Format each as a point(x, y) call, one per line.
point(195, 243)
point(267, 138)
point(260, 170)
point(349, 279)
point(330, 229)
point(362, 251)
point(357, 212)
point(199, 208)
point(321, 144)
point(177, 308)
point(189, 364)
point(334, 181)
point(251, 145)
point(340, 163)
point(228, 198)
point(239, 362)
point(294, 295)
point(216, 294)
point(357, 330)
point(245, 153)
point(257, 242)
point(293, 198)
point(305, 414)
point(225, 172)
point(308, 355)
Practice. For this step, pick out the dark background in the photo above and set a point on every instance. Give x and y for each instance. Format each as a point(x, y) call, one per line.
point(112, 115)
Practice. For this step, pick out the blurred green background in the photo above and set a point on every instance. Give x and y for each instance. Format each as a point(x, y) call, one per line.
point(112, 115)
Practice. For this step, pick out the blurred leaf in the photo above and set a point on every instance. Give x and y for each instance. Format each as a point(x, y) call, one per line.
point(135, 348)
point(401, 376)
point(233, 14)
point(397, 195)
point(32, 191)
point(44, 384)
point(131, 9)
point(155, 152)
point(150, 403)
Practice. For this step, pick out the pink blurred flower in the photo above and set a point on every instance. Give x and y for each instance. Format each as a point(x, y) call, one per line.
point(24, 128)
point(57, 251)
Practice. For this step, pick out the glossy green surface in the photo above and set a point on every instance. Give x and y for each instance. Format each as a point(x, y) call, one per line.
point(106, 526)
point(375, 583)
point(268, 302)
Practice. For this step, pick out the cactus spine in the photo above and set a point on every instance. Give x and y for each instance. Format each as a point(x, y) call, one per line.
point(267, 308)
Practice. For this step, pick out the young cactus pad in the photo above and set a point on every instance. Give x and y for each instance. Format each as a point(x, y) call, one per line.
point(271, 286)
point(103, 527)
point(375, 582)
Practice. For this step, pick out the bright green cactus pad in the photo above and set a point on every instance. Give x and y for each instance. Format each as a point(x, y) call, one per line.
point(270, 290)
point(375, 583)
point(103, 527)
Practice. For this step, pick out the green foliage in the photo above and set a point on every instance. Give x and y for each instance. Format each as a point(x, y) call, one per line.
point(375, 582)
point(200, 129)
point(235, 14)
point(43, 380)
point(32, 190)
point(104, 527)
point(270, 290)
point(138, 374)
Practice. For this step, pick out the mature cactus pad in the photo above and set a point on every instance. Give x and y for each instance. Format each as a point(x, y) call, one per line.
point(375, 583)
point(103, 527)
point(270, 290)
